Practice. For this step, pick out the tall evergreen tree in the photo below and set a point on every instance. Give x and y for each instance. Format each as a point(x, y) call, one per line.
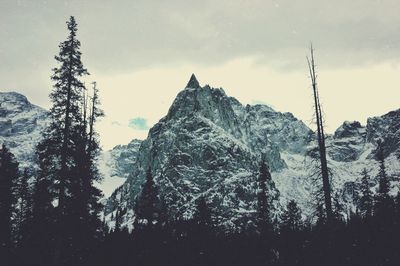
point(148, 203)
point(202, 215)
point(66, 158)
point(291, 238)
point(264, 222)
point(24, 207)
point(8, 176)
point(85, 196)
point(384, 205)
point(42, 234)
point(95, 114)
point(291, 217)
point(366, 201)
point(338, 210)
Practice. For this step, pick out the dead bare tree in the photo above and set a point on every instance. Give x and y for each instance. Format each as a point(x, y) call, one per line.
point(326, 186)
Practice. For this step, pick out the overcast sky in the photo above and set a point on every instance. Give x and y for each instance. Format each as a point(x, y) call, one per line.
point(142, 53)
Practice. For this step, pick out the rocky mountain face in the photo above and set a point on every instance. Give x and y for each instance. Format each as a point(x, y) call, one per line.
point(116, 165)
point(21, 124)
point(209, 145)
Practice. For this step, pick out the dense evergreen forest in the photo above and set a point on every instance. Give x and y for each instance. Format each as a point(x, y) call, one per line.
point(52, 215)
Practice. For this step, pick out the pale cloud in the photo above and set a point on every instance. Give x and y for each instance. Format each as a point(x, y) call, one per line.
point(142, 53)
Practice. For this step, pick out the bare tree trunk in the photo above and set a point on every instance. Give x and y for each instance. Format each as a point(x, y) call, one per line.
point(321, 140)
point(92, 113)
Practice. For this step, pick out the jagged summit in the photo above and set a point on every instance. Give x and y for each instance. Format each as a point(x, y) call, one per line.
point(193, 82)
point(209, 145)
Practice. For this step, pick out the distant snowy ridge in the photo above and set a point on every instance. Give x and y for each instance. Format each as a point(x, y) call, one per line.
point(21, 127)
point(116, 164)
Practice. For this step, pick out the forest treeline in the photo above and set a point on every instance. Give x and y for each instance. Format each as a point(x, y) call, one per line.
point(52, 215)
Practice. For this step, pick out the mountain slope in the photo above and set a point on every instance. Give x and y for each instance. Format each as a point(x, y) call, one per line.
point(209, 145)
point(21, 124)
point(116, 164)
point(21, 127)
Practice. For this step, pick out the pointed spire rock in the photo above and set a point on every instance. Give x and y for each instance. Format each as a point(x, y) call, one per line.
point(193, 83)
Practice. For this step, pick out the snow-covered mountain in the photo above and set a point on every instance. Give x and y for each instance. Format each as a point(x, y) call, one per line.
point(209, 145)
point(21, 127)
point(116, 164)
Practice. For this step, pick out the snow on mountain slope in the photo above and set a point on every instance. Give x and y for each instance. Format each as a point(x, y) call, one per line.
point(209, 145)
point(116, 164)
point(21, 126)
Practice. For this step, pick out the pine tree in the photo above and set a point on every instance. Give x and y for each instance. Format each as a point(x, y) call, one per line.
point(66, 98)
point(366, 201)
point(337, 210)
point(24, 208)
point(202, 230)
point(41, 238)
point(148, 203)
point(291, 238)
point(264, 222)
point(66, 160)
point(291, 217)
point(8, 176)
point(85, 196)
point(202, 215)
point(384, 205)
point(95, 114)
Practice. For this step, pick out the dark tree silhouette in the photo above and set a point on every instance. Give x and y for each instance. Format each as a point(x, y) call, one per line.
point(291, 238)
point(8, 177)
point(66, 158)
point(148, 203)
point(24, 208)
point(291, 217)
point(366, 201)
point(321, 139)
point(264, 202)
point(202, 215)
point(202, 232)
point(384, 204)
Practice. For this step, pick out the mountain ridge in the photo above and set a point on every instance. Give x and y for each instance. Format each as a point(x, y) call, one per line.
point(208, 144)
point(208, 137)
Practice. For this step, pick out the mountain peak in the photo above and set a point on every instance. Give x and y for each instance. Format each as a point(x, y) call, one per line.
point(193, 83)
point(13, 97)
point(13, 103)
